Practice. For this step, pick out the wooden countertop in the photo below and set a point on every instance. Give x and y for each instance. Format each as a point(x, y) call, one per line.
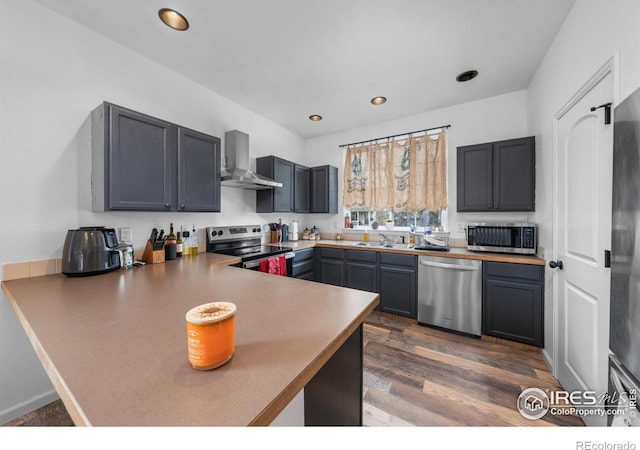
point(114, 345)
point(453, 252)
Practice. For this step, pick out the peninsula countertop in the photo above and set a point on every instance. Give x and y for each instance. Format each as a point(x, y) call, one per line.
point(114, 345)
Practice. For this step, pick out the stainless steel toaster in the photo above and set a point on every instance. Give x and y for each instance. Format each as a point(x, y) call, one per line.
point(90, 251)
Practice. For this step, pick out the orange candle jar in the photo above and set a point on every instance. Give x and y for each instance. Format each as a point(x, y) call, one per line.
point(211, 334)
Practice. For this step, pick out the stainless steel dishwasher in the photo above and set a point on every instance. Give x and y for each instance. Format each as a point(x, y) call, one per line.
point(450, 294)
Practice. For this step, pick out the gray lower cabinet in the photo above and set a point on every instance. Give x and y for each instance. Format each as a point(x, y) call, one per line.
point(397, 281)
point(513, 302)
point(141, 163)
point(392, 275)
point(304, 264)
point(362, 270)
point(330, 266)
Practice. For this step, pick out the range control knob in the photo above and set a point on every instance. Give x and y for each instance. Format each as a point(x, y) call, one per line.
point(213, 233)
point(220, 233)
point(256, 230)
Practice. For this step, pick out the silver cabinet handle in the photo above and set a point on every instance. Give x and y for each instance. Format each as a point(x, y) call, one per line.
point(449, 266)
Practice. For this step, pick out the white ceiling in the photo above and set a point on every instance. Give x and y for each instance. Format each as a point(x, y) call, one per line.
point(288, 59)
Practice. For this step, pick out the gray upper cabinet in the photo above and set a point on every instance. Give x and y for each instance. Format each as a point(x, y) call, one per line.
point(198, 159)
point(301, 189)
point(276, 199)
point(496, 176)
point(141, 163)
point(324, 189)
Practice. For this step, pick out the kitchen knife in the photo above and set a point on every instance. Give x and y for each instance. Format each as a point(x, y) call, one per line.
point(153, 237)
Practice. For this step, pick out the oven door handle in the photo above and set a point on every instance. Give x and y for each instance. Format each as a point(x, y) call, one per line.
point(256, 262)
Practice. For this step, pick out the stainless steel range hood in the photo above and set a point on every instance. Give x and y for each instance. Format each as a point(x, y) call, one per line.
point(237, 173)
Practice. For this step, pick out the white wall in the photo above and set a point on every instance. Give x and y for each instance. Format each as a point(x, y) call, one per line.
point(593, 32)
point(52, 74)
point(491, 119)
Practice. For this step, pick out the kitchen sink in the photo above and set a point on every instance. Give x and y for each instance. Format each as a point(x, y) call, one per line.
point(381, 245)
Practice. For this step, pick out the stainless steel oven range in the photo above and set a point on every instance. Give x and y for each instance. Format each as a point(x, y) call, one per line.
point(245, 241)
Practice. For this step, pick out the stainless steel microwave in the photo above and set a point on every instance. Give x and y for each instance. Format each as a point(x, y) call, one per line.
point(518, 238)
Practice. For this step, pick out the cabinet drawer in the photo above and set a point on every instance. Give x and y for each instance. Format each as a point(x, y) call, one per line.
point(302, 267)
point(335, 253)
point(398, 260)
point(361, 255)
point(511, 270)
point(302, 255)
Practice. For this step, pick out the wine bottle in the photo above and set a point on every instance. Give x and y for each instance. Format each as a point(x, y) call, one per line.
point(179, 245)
point(171, 239)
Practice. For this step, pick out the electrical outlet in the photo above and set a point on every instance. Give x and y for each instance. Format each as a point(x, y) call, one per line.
point(126, 234)
point(461, 227)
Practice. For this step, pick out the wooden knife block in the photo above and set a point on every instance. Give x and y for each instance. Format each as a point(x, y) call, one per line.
point(151, 256)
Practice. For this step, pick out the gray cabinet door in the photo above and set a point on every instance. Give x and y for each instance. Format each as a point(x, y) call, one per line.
point(198, 171)
point(398, 284)
point(512, 304)
point(283, 197)
point(301, 189)
point(514, 175)
point(362, 270)
point(330, 267)
point(140, 161)
point(276, 199)
point(475, 178)
point(332, 271)
point(324, 189)
point(398, 291)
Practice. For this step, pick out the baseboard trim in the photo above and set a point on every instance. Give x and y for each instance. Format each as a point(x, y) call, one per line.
point(514, 344)
point(27, 406)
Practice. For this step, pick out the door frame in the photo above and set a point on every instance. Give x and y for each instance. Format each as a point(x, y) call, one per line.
point(612, 67)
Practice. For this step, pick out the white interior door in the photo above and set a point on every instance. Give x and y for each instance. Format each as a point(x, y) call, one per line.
point(584, 149)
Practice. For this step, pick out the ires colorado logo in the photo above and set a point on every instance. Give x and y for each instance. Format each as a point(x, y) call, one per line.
point(534, 403)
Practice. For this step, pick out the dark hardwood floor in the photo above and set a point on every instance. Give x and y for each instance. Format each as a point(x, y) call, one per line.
point(418, 376)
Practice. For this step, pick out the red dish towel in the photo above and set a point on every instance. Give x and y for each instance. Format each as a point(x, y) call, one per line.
point(276, 265)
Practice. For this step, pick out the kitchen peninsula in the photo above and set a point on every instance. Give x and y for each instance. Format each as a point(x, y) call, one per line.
point(114, 345)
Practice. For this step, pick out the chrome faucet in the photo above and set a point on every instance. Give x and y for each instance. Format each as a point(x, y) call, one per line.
point(384, 239)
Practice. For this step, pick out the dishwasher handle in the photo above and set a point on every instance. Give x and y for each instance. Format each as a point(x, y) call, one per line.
point(449, 266)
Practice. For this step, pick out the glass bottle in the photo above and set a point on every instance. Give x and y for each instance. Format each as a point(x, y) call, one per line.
point(179, 245)
point(171, 239)
point(194, 241)
point(186, 243)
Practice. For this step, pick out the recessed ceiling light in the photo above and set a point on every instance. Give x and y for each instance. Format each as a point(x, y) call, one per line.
point(173, 19)
point(466, 76)
point(378, 100)
point(315, 117)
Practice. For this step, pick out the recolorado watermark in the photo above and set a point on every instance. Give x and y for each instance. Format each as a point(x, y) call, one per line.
point(534, 403)
point(589, 445)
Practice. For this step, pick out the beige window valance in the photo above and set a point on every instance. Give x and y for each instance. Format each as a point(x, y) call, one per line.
point(406, 174)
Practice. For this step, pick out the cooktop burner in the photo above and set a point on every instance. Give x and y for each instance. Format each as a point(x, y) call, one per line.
point(259, 251)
